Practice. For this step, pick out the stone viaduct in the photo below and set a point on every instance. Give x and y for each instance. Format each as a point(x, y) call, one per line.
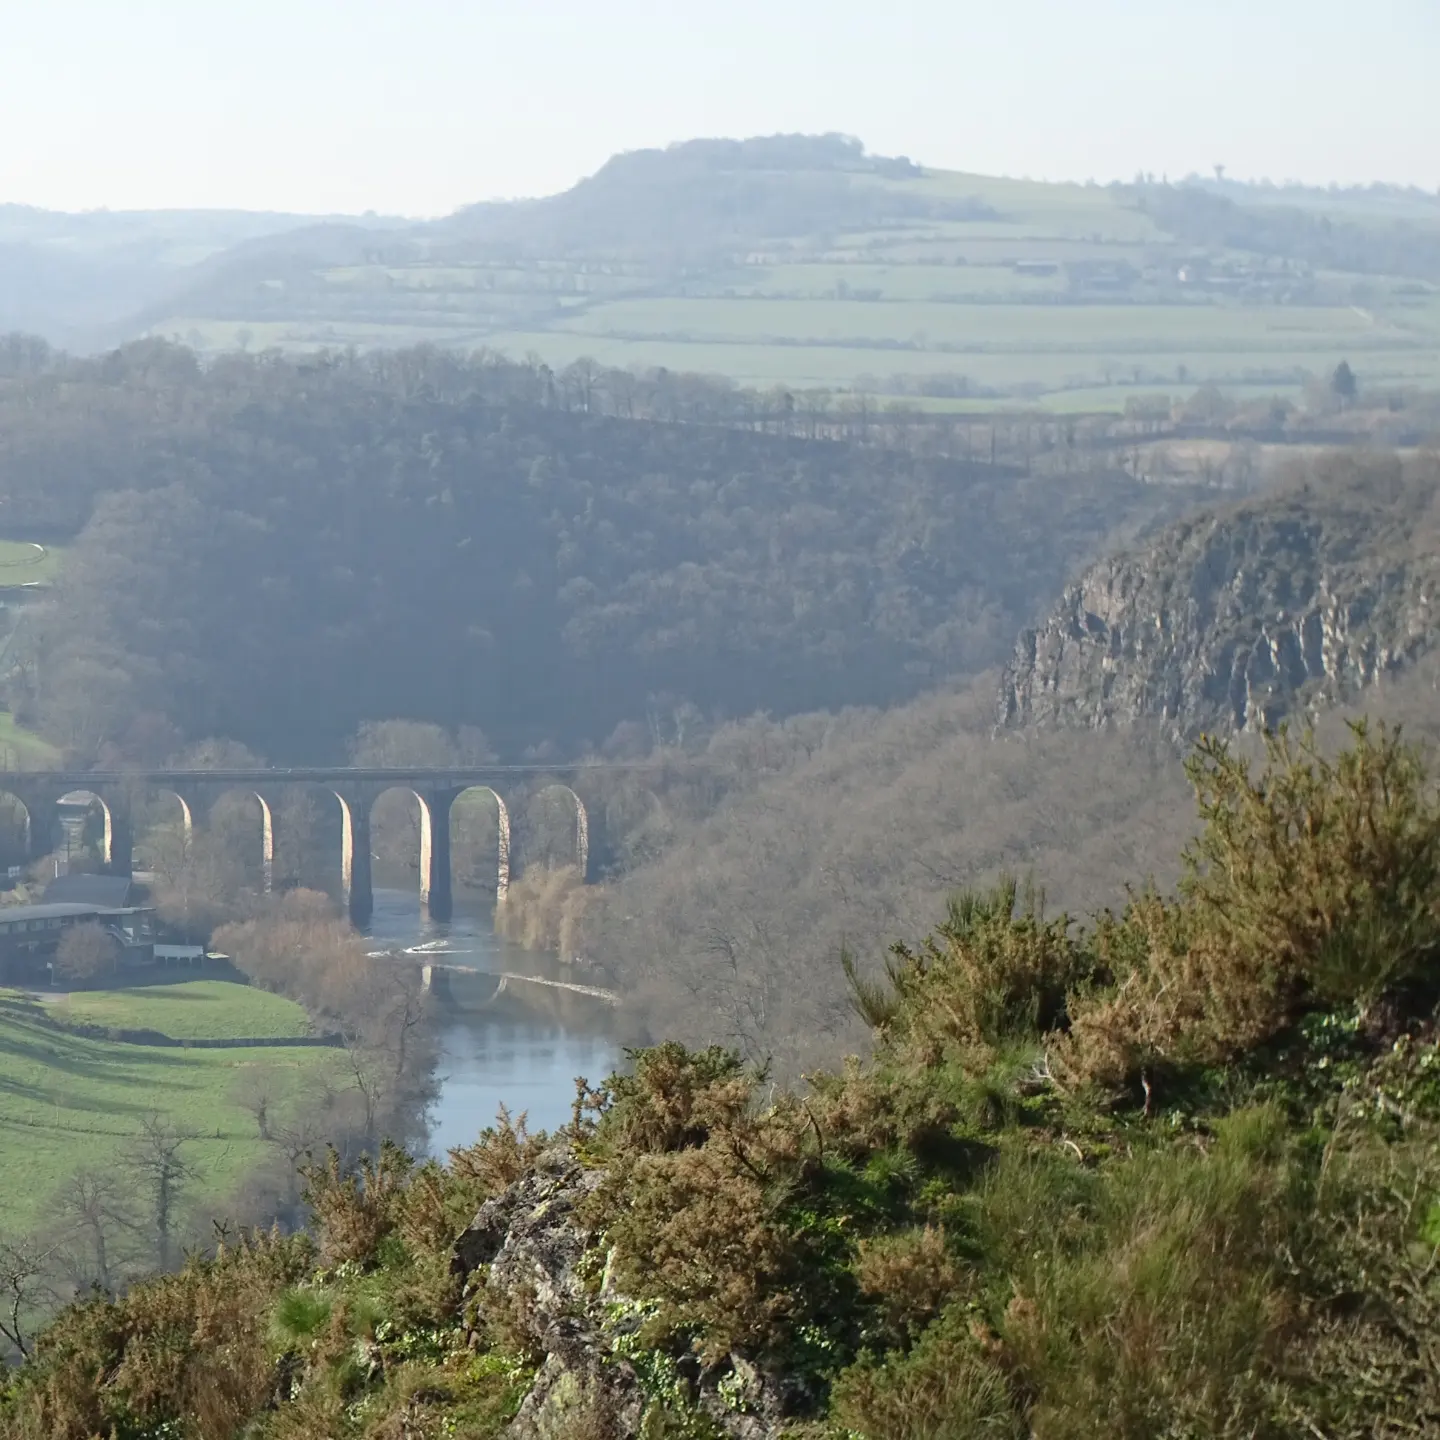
point(356, 790)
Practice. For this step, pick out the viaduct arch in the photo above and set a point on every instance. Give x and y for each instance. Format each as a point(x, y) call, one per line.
point(29, 840)
point(355, 790)
point(502, 835)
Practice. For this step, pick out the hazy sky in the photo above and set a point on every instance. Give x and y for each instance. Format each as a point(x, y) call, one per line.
point(418, 106)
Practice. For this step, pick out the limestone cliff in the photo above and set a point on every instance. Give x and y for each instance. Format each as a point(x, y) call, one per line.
point(1238, 618)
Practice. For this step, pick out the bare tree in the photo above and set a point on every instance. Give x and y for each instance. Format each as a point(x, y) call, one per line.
point(370, 1073)
point(302, 1136)
point(200, 877)
point(94, 1210)
point(25, 1280)
point(85, 953)
point(401, 1016)
point(255, 1090)
point(387, 1043)
point(156, 1160)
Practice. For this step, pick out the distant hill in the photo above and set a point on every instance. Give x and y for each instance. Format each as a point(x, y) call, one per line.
point(697, 202)
point(81, 280)
point(804, 262)
point(1237, 619)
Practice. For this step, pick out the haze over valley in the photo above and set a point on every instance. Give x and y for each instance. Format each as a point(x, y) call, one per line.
point(786, 793)
point(785, 262)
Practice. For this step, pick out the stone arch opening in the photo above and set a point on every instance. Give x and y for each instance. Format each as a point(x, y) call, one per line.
point(19, 835)
point(581, 832)
point(462, 811)
point(232, 823)
point(162, 825)
point(91, 823)
point(402, 832)
point(306, 832)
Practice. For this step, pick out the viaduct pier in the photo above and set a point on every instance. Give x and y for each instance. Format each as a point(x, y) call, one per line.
point(118, 794)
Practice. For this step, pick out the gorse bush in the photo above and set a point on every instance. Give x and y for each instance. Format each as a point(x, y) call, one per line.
point(1172, 1173)
point(196, 1343)
point(988, 975)
point(690, 1153)
point(1330, 867)
point(910, 1275)
point(1315, 883)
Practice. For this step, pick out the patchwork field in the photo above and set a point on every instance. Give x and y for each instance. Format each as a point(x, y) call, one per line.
point(1071, 296)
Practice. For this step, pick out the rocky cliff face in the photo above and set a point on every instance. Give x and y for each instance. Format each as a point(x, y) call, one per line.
point(527, 1242)
point(1235, 620)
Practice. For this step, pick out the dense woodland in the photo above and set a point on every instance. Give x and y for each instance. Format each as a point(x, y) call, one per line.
point(824, 833)
point(441, 538)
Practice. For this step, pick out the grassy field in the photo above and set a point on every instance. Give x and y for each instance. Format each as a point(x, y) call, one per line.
point(1055, 351)
point(22, 749)
point(67, 1102)
point(1023, 329)
point(1060, 377)
point(910, 297)
point(23, 562)
point(187, 1010)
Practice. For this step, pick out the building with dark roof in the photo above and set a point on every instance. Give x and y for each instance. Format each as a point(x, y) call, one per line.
point(30, 934)
point(110, 892)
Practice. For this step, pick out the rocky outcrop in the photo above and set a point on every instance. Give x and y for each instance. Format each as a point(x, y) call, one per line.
point(1239, 619)
point(527, 1251)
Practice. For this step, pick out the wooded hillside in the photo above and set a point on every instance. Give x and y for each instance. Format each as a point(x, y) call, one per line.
point(276, 550)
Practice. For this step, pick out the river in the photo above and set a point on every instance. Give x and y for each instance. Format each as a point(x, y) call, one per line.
point(508, 1052)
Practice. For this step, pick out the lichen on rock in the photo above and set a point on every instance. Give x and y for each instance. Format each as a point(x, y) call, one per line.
point(526, 1254)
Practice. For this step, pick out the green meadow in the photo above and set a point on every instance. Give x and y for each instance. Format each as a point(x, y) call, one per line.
point(186, 1010)
point(24, 562)
point(69, 1102)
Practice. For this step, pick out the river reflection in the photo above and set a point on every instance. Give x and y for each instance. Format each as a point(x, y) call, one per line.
point(523, 1054)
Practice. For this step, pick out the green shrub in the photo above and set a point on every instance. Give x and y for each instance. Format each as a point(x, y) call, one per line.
point(1315, 883)
point(995, 970)
point(190, 1349)
point(300, 1316)
point(1332, 868)
point(910, 1277)
point(947, 1388)
point(1172, 1315)
point(692, 1205)
point(354, 1210)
